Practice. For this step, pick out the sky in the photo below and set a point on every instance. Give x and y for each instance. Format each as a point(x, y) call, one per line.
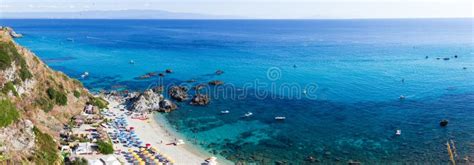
point(271, 9)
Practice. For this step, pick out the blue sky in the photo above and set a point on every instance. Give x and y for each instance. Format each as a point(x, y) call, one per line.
point(262, 8)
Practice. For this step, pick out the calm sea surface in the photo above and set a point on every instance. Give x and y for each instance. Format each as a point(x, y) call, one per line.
point(337, 82)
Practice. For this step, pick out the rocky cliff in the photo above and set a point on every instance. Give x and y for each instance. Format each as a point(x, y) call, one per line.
point(35, 102)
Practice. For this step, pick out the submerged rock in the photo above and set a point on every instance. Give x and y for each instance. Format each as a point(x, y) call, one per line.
point(169, 71)
point(146, 101)
point(216, 82)
point(200, 99)
point(443, 123)
point(219, 72)
point(179, 93)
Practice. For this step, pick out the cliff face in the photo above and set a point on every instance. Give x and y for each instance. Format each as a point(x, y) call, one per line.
point(35, 102)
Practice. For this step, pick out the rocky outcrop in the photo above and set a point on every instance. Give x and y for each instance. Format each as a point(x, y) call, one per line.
point(12, 32)
point(200, 99)
point(179, 93)
point(167, 106)
point(216, 82)
point(146, 101)
point(18, 138)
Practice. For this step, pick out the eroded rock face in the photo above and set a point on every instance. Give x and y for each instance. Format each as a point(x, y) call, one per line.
point(200, 99)
point(179, 93)
point(18, 138)
point(146, 101)
point(167, 106)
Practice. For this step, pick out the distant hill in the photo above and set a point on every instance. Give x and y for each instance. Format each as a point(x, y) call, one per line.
point(116, 14)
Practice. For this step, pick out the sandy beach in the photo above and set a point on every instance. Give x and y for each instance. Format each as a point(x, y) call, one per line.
point(150, 131)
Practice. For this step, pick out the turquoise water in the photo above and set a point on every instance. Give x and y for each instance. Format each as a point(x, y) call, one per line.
point(356, 67)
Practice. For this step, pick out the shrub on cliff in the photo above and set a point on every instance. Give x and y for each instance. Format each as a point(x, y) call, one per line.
point(77, 94)
point(45, 104)
point(8, 113)
point(5, 58)
point(59, 98)
point(9, 87)
point(8, 54)
point(46, 148)
point(99, 102)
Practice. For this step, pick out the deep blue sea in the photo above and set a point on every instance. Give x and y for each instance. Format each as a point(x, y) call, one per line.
point(337, 82)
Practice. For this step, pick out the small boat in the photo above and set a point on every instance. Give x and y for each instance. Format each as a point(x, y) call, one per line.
point(70, 39)
point(225, 112)
point(398, 132)
point(304, 91)
point(131, 62)
point(248, 114)
point(280, 118)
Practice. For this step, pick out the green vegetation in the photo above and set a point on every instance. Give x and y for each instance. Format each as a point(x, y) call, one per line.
point(8, 54)
point(5, 56)
point(105, 147)
point(8, 113)
point(99, 102)
point(77, 82)
point(45, 104)
point(77, 94)
point(9, 87)
point(46, 148)
point(59, 97)
point(79, 161)
point(24, 72)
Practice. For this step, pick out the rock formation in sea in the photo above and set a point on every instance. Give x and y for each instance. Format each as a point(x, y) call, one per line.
point(35, 102)
point(216, 82)
point(179, 93)
point(146, 101)
point(200, 99)
point(167, 106)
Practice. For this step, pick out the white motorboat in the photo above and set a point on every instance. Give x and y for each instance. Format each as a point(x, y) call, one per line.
point(248, 114)
point(398, 132)
point(225, 112)
point(280, 118)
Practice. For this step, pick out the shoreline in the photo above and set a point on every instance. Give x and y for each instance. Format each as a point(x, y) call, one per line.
point(159, 134)
point(194, 148)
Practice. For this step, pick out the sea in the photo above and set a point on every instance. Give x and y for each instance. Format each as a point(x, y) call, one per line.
point(344, 87)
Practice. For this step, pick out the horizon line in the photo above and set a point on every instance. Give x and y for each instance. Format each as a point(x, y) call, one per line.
point(371, 18)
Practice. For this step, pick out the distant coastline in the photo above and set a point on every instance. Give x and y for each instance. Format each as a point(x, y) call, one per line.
point(161, 14)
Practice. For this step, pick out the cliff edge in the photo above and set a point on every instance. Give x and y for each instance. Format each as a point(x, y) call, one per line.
point(35, 102)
